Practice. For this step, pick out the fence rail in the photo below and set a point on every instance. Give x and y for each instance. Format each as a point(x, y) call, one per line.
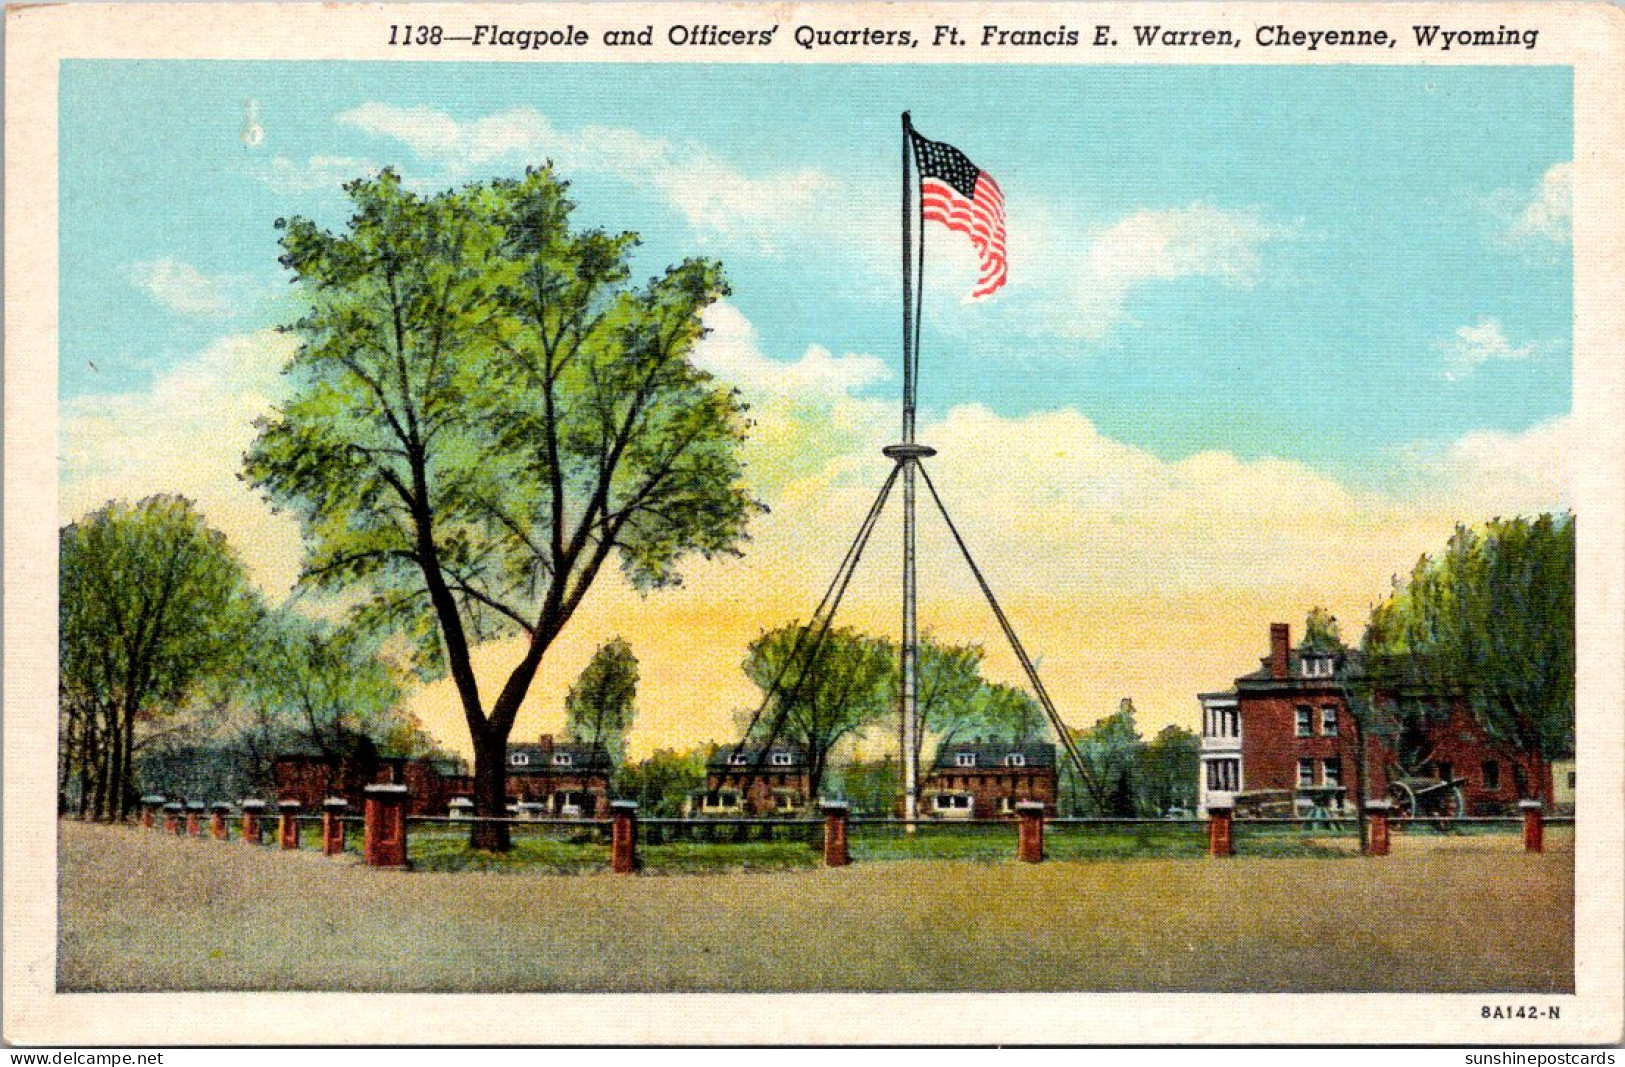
point(382, 835)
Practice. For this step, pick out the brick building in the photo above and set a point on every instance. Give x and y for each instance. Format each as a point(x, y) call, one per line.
point(1285, 730)
point(563, 778)
point(986, 779)
point(310, 779)
point(570, 779)
point(753, 782)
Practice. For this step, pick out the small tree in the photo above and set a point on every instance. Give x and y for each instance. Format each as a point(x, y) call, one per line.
point(826, 693)
point(153, 602)
point(600, 707)
point(661, 783)
point(318, 687)
point(1111, 750)
point(1169, 764)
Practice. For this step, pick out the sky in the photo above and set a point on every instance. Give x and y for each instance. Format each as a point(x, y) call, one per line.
point(1269, 332)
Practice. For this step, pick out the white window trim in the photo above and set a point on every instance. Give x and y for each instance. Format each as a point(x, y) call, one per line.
point(782, 759)
point(964, 759)
point(1015, 759)
point(519, 759)
point(739, 760)
point(562, 759)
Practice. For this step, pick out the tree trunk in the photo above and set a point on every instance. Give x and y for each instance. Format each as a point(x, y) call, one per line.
point(126, 791)
point(490, 791)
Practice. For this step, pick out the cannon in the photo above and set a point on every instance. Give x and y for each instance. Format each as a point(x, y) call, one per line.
point(1439, 798)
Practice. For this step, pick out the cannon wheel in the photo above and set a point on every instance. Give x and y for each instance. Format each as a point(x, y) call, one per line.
point(1404, 799)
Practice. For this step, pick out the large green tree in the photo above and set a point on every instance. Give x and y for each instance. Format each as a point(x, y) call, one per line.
point(601, 705)
point(153, 603)
point(821, 692)
point(485, 412)
point(1490, 619)
point(1111, 751)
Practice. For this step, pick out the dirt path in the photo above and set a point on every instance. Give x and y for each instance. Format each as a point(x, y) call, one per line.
point(141, 911)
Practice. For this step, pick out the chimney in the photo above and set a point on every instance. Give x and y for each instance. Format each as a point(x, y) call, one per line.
point(1280, 640)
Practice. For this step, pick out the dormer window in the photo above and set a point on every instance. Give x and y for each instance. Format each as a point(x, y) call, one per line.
point(782, 759)
point(519, 759)
point(1015, 759)
point(964, 759)
point(1317, 666)
point(739, 759)
point(562, 759)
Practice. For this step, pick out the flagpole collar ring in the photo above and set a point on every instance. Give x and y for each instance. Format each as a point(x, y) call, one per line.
point(907, 451)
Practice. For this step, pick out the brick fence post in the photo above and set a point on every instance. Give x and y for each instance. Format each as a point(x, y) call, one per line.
point(1030, 834)
point(836, 814)
point(172, 817)
point(288, 823)
point(383, 836)
point(623, 846)
point(253, 808)
point(1221, 834)
point(194, 818)
point(149, 808)
point(1534, 825)
point(217, 820)
point(333, 809)
point(1376, 821)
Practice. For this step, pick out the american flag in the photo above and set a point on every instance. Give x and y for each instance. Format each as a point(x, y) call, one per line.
point(960, 195)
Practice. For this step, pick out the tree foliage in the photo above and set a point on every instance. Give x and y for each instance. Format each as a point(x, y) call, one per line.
point(1489, 619)
point(826, 691)
point(485, 411)
point(661, 783)
point(600, 707)
point(1111, 750)
point(1169, 764)
point(325, 690)
point(153, 603)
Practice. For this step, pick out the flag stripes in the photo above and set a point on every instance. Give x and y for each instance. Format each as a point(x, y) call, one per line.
point(966, 199)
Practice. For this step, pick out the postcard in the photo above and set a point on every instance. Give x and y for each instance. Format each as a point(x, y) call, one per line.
point(814, 523)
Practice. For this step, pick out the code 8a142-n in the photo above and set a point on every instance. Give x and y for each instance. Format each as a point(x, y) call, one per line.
point(1519, 1011)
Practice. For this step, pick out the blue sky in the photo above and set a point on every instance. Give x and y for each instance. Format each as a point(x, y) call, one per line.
point(1348, 223)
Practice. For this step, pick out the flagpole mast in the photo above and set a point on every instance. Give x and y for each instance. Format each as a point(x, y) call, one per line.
point(907, 456)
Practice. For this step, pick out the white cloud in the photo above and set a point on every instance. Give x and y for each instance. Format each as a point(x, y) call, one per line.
point(1071, 281)
point(179, 286)
point(730, 351)
point(285, 176)
point(187, 434)
point(1473, 346)
point(1547, 213)
point(715, 197)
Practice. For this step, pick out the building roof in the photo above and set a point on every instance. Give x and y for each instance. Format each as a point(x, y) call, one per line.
point(541, 759)
point(722, 757)
point(1295, 678)
point(992, 754)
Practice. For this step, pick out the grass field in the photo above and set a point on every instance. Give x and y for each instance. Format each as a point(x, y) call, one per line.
point(142, 911)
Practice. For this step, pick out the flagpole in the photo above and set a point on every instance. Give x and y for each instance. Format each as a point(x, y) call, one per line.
point(907, 456)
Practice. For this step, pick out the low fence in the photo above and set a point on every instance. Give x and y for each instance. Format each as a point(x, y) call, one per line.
point(384, 836)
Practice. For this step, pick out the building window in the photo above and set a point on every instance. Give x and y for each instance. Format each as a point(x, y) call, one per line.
point(739, 759)
point(1328, 720)
point(519, 759)
point(1306, 722)
point(561, 759)
point(952, 802)
point(1015, 759)
point(782, 759)
point(964, 759)
point(1331, 772)
point(1306, 773)
point(1231, 719)
point(1316, 666)
point(1492, 775)
point(1223, 775)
